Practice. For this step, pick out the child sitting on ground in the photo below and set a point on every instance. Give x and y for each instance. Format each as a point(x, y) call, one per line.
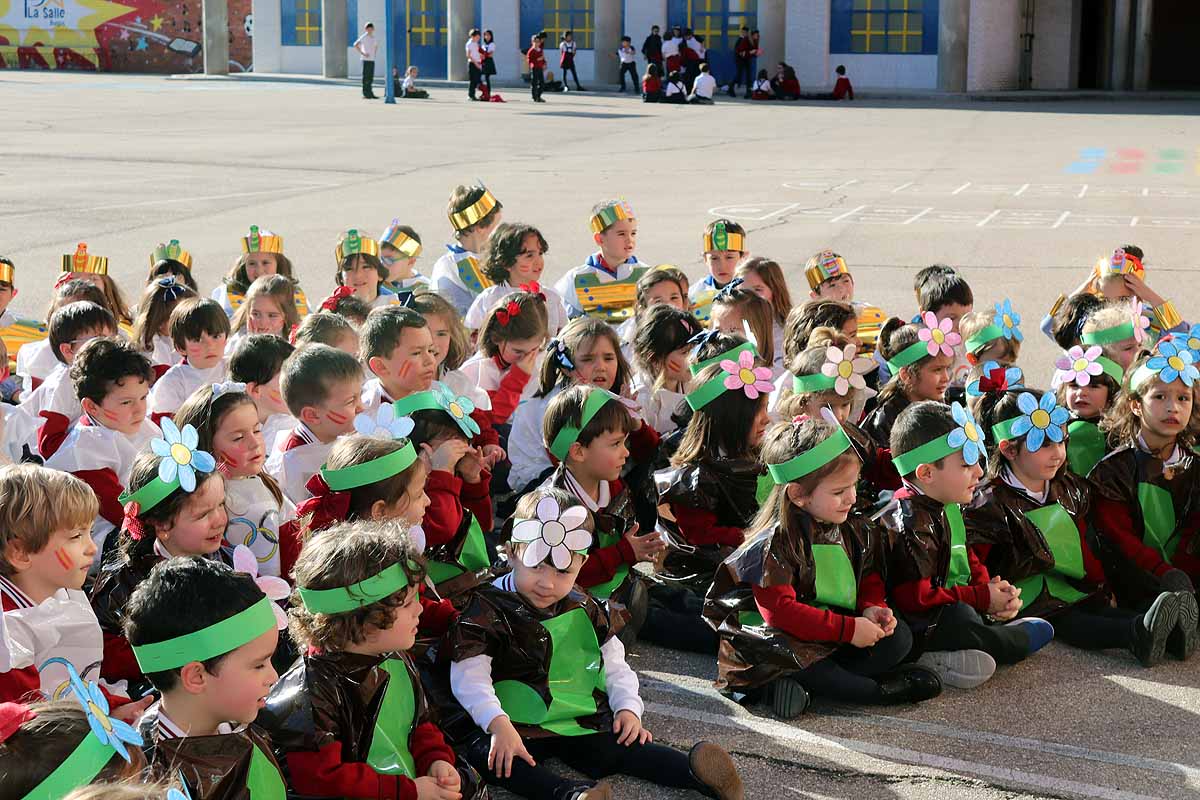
point(457, 275)
point(407, 89)
point(538, 671)
point(199, 329)
point(211, 662)
point(399, 248)
point(936, 582)
point(605, 285)
point(322, 388)
point(351, 718)
point(258, 363)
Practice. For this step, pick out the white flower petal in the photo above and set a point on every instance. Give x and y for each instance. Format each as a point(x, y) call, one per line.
point(578, 540)
point(547, 509)
point(245, 561)
point(573, 517)
point(561, 556)
point(535, 553)
point(527, 530)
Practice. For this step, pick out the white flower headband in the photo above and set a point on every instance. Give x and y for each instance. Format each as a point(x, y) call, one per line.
point(554, 534)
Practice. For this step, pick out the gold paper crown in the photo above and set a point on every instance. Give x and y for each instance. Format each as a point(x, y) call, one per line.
point(610, 215)
point(262, 241)
point(352, 244)
point(171, 252)
point(80, 261)
point(461, 220)
point(1120, 263)
point(722, 238)
point(8, 273)
point(823, 266)
point(400, 240)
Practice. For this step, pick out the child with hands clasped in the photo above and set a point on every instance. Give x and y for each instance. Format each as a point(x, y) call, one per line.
point(936, 582)
point(515, 261)
point(801, 605)
point(226, 421)
point(181, 517)
point(1034, 525)
point(211, 663)
point(538, 672)
point(351, 718)
point(511, 339)
point(1146, 488)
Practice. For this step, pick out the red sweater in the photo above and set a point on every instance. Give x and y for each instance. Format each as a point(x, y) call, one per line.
point(323, 773)
point(699, 527)
point(536, 58)
point(843, 89)
point(448, 496)
point(603, 562)
point(1115, 520)
point(780, 609)
point(508, 396)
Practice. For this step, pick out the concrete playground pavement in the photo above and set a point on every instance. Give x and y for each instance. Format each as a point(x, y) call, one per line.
point(1022, 197)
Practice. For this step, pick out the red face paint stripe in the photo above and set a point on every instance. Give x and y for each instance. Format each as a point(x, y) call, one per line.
point(336, 418)
point(63, 558)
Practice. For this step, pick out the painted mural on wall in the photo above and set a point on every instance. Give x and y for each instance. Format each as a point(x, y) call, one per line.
point(116, 36)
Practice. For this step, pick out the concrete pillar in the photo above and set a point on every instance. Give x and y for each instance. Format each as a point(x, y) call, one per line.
point(334, 56)
point(460, 16)
point(267, 42)
point(605, 40)
point(954, 23)
point(772, 24)
point(503, 19)
point(216, 36)
point(1143, 21)
point(806, 43)
point(1121, 61)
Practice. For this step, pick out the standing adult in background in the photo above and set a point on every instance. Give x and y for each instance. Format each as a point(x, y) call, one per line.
point(566, 58)
point(367, 47)
point(487, 48)
point(474, 62)
point(652, 48)
point(745, 52)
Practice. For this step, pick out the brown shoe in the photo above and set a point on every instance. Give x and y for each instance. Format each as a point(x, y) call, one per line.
point(601, 791)
point(715, 770)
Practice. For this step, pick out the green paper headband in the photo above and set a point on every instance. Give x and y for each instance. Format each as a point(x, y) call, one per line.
point(568, 434)
point(928, 453)
point(1111, 368)
point(811, 460)
point(1109, 335)
point(341, 599)
point(803, 384)
point(151, 494)
point(216, 640)
point(79, 769)
point(989, 334)
point(730, 354)
point(379, 469)
point(707, 392)
point(909, 355)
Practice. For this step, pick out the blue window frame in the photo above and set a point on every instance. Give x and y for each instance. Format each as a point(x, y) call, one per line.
point(893, 27)
point(300, 22)
point(556, 16)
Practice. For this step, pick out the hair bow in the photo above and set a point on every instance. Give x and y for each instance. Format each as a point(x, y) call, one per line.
point(219, 389)
point(171, 287)
point(12, 717)
point(702, 338)
point(727, 290)
point(132, 525)
point(325, 508)
point(995, 380)
point(506, 314)
point(330, 303)
point(561, 354)
point(533, 287)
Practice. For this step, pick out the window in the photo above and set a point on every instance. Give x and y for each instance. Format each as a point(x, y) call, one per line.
point(300, 22)
point(900, 27)
point(577, 16)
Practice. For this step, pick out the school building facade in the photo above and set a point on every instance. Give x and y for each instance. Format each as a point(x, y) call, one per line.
point(947, 45)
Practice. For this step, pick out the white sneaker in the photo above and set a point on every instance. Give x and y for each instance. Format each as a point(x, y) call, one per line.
point(962, 669)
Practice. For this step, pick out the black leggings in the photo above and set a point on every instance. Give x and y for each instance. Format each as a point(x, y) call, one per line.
point(1101, 628)
point(849, 673)
point(570, 69)
point(597, 755)
point(674, 620)
point(961, 628)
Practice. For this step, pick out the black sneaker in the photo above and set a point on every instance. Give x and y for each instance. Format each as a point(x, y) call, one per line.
point(786, 698)
point(911, 683)
point(1151, 630)
point(1184, 637)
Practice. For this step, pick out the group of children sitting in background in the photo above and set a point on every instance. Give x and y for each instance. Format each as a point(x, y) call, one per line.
point(398, 544)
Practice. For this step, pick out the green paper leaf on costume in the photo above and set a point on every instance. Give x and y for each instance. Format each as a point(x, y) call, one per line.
point(389, 752)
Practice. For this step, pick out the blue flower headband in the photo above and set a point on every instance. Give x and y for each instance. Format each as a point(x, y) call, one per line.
point(1039, 420)
point(995, 378)
point(179, 462)
point(966, 436)
point(1170, 362)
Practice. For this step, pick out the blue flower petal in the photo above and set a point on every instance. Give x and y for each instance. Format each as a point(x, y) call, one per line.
point(971, 453)
point(167, 470)
point(125, 732)
point(1022, 426)
point(187, 478)
point(189, 437)
point(1168, 374)
point(1027, 403)
point(1055, 432)
point(960, 414)
point(202, 461)
point(170, 431)
point(1158, 362)
point(957, 438)
point(1047, 403)
point(1059, 416)
point(1016, 334)
point(1013, 375)
point(1035, 440)
point(973, 388)
point(160, 448)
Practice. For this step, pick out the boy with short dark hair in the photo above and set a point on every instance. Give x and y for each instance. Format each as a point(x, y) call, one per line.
point(211, 662)
point(258, 363)
point(937, 584)
point(199, 329)
point(628, 58)
point(112, 381)
point(396, 346)
point(949, 296)
point(71, 327)
point(322, 387)
point(605, 286)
